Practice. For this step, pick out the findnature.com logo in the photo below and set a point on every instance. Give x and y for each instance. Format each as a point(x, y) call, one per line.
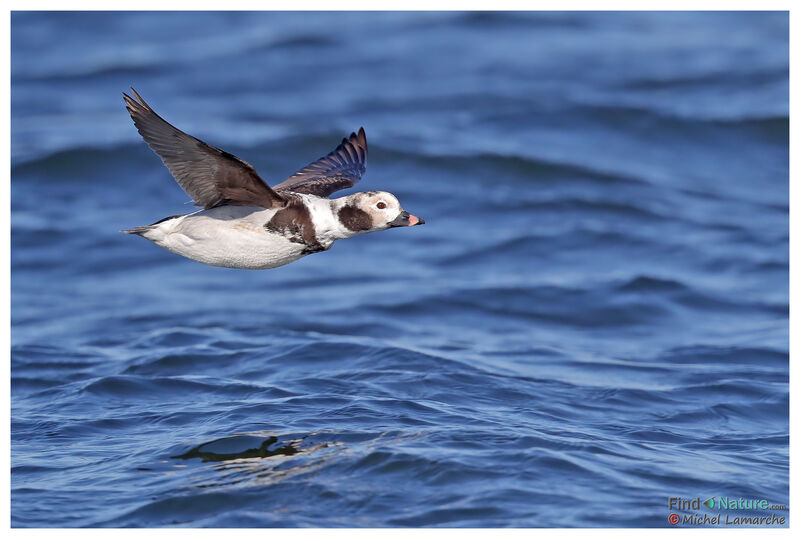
point(693, 517)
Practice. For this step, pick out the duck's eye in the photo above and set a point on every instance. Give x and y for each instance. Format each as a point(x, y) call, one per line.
point(381, 205)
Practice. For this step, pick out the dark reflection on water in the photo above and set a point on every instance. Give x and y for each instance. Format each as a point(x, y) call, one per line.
point(239, 447)
point(593, 319)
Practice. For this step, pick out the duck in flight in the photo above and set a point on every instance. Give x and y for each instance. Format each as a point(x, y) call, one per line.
point(246, 224)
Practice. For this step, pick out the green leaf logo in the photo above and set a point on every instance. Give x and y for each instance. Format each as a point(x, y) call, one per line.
point(709, 503)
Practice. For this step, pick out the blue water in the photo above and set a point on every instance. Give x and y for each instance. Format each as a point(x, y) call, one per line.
point(594, 318)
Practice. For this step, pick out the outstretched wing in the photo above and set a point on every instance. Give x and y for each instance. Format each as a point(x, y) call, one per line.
point(210, 176)
point(340, 169)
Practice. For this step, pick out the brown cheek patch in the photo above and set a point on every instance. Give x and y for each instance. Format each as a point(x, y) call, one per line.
point(355, 219)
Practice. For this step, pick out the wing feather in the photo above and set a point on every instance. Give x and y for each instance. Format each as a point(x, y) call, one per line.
point(340, 169)
point(212, 177)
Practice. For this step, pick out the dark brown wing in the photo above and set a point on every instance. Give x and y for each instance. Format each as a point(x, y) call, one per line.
point(340, 169)
point(209, 175)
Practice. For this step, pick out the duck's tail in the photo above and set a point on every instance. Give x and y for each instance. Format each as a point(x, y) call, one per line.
point(140, 230)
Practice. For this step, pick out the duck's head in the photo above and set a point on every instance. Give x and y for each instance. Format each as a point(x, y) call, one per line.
point(373, 210)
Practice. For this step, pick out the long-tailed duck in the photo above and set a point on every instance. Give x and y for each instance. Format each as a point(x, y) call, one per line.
point(248, 225)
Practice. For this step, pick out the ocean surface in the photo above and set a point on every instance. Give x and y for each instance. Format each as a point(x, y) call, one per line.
point(593, 320)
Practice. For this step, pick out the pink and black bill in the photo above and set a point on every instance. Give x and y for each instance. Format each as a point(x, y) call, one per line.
point(406, 219)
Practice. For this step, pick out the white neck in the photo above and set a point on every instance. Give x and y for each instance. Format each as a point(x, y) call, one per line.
point(324, 213)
